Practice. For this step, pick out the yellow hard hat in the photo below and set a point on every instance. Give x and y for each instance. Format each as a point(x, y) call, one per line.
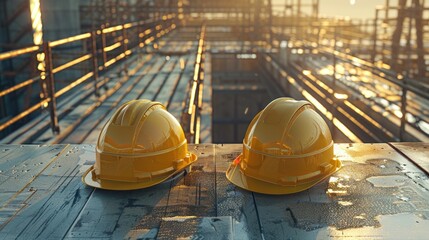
point(141, 145)
point(287, 148)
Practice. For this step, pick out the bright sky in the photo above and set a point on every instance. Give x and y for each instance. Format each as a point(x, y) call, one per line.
point(352, 8)
point(355, 9)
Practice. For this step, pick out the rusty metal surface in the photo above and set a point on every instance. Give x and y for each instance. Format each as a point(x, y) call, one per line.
point(378, 193)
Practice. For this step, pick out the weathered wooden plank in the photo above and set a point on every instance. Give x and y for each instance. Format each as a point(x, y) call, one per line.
point(191, 227)
point(138, 214)
point(233, 201)
point(5, 150)
point(21, 164)
point(375, 189)
point(145, 79)
point(169, 85)
point(157, 82)
point(57, 199)
point(171, 63)
point(120, 214)
point(137, 90)
point(98, 115)
point(377, 194)
point(18, 169)
point(167, 90)
point(416, 152)
point(86, 127)
point(124, 214)
point(154, 86)
point(195, 194)
point(66, 109)
point(177, 103)
point(174, 46)
point(26, 160)
point(78, 112)
point(40, 124)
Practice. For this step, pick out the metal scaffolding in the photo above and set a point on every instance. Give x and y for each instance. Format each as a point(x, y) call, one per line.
point(289, 39)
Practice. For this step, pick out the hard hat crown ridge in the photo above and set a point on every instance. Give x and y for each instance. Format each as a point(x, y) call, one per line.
point(287, 148)
point(141, 145)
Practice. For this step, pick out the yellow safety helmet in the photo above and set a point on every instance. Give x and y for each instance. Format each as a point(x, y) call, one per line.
point(287, 148)
point(140, 146)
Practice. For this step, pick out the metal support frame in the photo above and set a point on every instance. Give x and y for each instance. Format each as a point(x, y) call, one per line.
point(103, 46)
point(49, 94)
point(95, 62)
point(334, 83)
point(51, 88)
point(125, 48)
point(192, 117)
point(374, 38)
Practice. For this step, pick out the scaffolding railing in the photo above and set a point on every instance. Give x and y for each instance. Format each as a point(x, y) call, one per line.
point(192, 116)
point(121, 44)
point(407, 89)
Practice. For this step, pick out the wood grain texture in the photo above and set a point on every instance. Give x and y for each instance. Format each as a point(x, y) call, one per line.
point(417, 152)
point(116, 80)
point(19, 167)
point(106, 108)
point(177, 104)
point(192, 227)
point(374, 181)
point(233, 201)
point(378, 193)
point(57, 196)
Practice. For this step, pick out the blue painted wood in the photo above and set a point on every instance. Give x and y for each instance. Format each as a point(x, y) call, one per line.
point(57, 198)
point(19, 166)
point(157, 64)
point(5, 150)
point(378, 193)
point(106, 108)
point(233, 201)
point(177, 104)
point(375, 188)
point(192, 227)
point(195, 194)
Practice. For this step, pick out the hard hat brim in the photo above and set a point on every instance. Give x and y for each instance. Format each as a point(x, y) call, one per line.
point(238, 178)
point(88, 179)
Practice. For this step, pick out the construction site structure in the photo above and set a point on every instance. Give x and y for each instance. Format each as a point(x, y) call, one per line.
point(216, 63)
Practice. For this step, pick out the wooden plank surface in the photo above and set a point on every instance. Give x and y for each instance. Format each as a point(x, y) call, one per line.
point(138, 214)
point(133, 93)
point(194, 195)
point(19, 167)
point(192, 227)
point(233, 201)
point(378, 193)
point(144, 83)
point(151, 76)
point(106, 108)
point(417, 152)
point(177, 103)
point(57, 197)
point(364, 199)
point(82, 96)
point(117, 80)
